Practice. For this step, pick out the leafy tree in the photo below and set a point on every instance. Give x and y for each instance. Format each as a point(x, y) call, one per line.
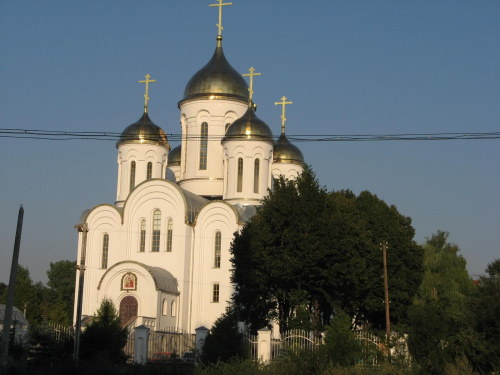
point(404, 261)
point(224, 342)
point(3, 288)
point(486, 309)
point(441, 322)
point(341, 345)
point(62, 276)
point(104, 338)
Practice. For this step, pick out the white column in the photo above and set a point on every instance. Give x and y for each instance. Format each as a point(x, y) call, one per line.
point(264, 344)
point(141, 344)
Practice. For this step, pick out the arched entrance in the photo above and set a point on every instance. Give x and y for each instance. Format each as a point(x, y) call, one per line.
point(128, 309)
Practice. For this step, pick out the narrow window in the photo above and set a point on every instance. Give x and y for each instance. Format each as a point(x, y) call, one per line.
point(215, 293)
point(155, 244)
point(239, 186)
point(142, 245)
point(217, 250)
point(169, 234)
point(256, 176)
point(227, 126)
point(149, 171)
point(203, 146)
point(132, 176)
point(173, 308)
point(165, 307)
point(105, 246)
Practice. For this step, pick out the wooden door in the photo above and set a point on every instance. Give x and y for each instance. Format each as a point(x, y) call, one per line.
point(128, 309)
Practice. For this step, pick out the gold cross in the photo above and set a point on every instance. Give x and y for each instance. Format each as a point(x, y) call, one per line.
point(146, 97)
point(220, 5)
point(283, 118)
point(251, 75)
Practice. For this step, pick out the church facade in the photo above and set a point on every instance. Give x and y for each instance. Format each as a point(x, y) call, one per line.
point(161, 251)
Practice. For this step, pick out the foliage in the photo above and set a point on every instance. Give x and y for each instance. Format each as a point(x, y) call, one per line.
point(62, 276)
point(224, 341)
point(441, 321)
point(104, 338)
point(404, 261)
point(341, 345)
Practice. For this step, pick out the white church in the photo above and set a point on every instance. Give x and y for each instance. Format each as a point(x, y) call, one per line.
point(161, 251)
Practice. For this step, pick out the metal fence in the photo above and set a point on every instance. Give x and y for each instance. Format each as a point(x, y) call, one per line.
point(295, 340)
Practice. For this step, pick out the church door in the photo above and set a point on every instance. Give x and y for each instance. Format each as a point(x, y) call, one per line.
point(128, 309)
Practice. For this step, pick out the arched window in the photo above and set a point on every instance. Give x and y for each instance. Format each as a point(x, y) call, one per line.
point(227, 126)
point(164, 309)
point(142, 244)
point(105, 247)
point(239, 186)
point(256, 176)
point(173, 308)
point(170, 225)
point(217, 249)
point(155, 244)
point(149, 171)
point(132, 176)
point(203, 146)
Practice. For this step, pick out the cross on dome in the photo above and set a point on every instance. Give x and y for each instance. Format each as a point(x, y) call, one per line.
point(251, 75)
point(283, 118)
point(220, 5)
point(146, 97)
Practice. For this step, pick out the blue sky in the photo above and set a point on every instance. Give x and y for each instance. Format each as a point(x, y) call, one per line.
point(350, 67)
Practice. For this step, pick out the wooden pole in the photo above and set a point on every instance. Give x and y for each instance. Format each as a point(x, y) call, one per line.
point(386, 287)
point(4, 353)
point(76, 352)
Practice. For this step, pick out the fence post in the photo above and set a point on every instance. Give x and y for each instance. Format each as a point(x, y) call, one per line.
point(201, 334)
point(264, 344)
point(141, 344)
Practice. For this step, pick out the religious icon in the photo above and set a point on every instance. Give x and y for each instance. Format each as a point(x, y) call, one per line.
point(129, 282)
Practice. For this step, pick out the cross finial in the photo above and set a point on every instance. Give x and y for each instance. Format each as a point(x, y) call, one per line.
point(251, 75)
point(220, 5)
point(146, 97)
point(283, 118)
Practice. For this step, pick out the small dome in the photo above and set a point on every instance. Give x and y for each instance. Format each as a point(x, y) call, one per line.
point(249, 127)
point(285, 152)
point(174, 157)
point(218, 78)
point(144, 131)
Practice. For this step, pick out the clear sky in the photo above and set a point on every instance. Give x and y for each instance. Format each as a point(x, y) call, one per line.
point(350, 67)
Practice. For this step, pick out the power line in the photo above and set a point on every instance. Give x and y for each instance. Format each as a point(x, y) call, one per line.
point(55, 135)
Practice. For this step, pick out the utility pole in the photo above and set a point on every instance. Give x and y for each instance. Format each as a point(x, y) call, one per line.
point(83, 229)
point(386, 287)
point(4, 353)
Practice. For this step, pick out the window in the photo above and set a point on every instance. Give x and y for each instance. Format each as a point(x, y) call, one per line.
point(203, 146)
point(173, 308)
point(169, 235)
point(256, 176)
point(217, 250)
point(132, 176)
point(149, 171)
point(164, 309)
point(142, 245)
point(227, 126)
point(239, 186)
point(155, 244)
point(215, 292)
point(105, 246)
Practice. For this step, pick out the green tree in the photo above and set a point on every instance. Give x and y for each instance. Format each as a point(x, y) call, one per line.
point(224, 342)
point(341, 345)
point(404, 261)
point(61, 294)
point(104, 339)
point(486, 309)
point(441, 321)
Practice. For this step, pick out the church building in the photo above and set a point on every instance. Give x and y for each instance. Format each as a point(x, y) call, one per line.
point(161, 251)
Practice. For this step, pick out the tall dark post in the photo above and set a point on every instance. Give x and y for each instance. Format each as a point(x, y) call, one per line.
point(84, 230)
point(386, 287)
point(12, 288)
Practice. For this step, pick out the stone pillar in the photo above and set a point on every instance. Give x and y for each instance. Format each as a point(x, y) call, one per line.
point(201, 333)
point(264, 344)
point(141, 344)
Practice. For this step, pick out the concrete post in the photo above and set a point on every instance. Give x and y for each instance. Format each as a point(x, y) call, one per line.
point(141, 341)
point(264, 344)
point(201, 334)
